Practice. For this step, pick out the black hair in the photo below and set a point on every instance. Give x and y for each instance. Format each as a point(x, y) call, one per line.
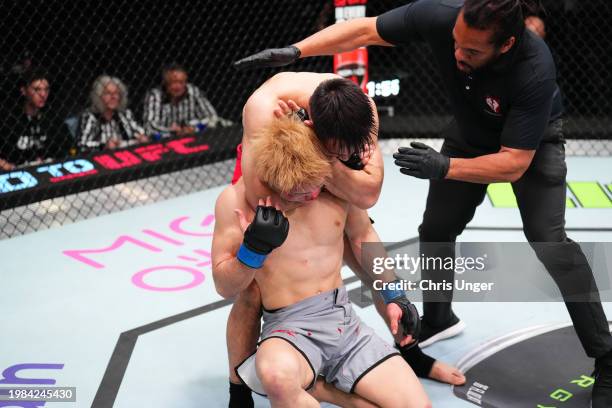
point(342, 112)
point(505, 17)
point(31, 75)
point(172, 66)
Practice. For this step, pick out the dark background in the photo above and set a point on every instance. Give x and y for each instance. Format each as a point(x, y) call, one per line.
point(79, 40)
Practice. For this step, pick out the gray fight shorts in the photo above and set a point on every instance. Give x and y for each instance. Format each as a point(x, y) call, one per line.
point(329, 334)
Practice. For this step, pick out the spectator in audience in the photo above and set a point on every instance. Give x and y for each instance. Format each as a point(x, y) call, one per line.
point(536, 24)
point(108, 123)
point(31, 132)
point(533, 12)
point(177, 107)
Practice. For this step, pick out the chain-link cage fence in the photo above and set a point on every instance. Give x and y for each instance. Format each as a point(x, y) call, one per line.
point(88, 128)
point(72, 160)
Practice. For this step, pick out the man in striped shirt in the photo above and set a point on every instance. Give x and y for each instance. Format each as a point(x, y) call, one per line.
point(177, 107)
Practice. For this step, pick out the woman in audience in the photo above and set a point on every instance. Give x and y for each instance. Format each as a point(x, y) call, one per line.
point(108, 123)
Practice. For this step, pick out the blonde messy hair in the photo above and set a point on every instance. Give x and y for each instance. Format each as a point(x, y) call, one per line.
point(289, 156)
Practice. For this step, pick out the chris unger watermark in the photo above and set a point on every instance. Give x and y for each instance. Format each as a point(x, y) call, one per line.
point(429, 285)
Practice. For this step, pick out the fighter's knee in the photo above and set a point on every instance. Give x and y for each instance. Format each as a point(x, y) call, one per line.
point(277, 384)
point(278, 380)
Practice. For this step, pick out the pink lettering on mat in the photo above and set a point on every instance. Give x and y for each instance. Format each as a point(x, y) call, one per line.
point(177, 226)
point(76, 253)
point(197, 278)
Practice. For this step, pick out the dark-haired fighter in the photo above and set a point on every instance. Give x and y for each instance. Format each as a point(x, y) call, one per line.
point(501, 81)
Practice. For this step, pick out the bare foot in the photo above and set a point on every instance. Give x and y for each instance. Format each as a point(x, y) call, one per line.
point(447, 374)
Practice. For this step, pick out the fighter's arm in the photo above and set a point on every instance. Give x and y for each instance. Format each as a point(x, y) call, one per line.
point(230, 275)
point(256, 114)
point(399, 310)
point(360, 188)
point(359, 230)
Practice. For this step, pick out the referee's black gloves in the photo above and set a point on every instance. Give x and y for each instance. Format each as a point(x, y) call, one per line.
point(422, 161)
point(272, 57)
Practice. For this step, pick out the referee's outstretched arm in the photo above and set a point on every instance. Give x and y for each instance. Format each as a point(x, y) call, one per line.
point(334, 39)
point(342, 37)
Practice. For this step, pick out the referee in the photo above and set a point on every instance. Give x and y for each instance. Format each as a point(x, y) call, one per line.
point(507, 127)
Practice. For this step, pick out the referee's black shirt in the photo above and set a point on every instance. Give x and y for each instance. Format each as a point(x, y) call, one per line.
point(508, 103)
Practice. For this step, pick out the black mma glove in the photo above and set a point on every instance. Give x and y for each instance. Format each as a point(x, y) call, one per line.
point(411, 322)
point(422, 161)
point(268, 231)
point(271, 57)
point(353, 162)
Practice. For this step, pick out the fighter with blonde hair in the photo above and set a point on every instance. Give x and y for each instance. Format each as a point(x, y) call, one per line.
point(310, 328)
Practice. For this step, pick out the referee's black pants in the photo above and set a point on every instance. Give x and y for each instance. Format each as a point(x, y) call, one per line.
point(541, 195)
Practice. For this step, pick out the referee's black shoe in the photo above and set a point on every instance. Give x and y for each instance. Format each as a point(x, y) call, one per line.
point(430, 334)
point(602, 390)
